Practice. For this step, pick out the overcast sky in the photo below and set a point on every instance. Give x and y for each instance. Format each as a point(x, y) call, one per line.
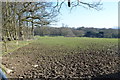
point(106, 18)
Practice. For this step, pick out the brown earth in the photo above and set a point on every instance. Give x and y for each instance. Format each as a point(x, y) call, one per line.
point(41, 61)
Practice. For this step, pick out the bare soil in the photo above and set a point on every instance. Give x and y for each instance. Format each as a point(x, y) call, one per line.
point(42, 61)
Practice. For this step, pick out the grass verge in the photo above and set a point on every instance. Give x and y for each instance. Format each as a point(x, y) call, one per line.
point(13, 45)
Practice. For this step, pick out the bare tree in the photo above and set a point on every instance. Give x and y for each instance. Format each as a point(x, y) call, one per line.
point(78, 3)
point(17, 15)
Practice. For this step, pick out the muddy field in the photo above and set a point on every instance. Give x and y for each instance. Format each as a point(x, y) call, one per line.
point(40, 60)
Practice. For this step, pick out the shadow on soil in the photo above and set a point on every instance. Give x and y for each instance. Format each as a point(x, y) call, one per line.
point(114, 76)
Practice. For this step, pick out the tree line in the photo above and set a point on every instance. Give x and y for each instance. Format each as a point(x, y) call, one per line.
point(76, 32)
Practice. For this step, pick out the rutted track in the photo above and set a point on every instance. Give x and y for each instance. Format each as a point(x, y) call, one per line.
point(42, 61)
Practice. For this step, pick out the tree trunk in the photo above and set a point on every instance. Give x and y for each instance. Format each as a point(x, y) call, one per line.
point(5, 44)
point(32, 30)
point(21, 35)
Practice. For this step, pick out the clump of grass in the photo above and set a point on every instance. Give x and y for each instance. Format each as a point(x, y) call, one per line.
point(13, 45)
